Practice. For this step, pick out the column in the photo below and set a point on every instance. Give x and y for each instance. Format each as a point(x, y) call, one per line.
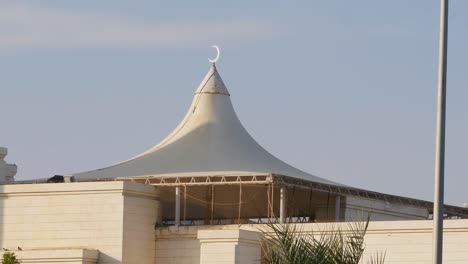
point(282, 217)
point(177, 206)
point(337, 208)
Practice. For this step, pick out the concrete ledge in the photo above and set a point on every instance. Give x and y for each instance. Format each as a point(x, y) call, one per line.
point(57, 255)
point(237, 235)
point(78, 188)
point(229, 246)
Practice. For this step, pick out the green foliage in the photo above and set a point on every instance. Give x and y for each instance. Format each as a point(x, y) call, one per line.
point(10, 258)
point(288, 244)
point(377, 258)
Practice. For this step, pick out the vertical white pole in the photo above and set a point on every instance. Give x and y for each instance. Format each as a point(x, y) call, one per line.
point(438, 213)
point(240, 205)
point(177, 206)
point(337, 208)
point(212, 203)
point(282, 204)
point(185, 202)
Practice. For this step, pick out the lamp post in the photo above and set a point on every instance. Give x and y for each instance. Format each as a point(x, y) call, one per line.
point(438, 212)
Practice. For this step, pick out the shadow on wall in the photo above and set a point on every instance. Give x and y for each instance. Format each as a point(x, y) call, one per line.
point(65, 255)
point(104, 258)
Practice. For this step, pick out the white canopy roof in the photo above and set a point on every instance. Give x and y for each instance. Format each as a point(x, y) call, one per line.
point(209, 140)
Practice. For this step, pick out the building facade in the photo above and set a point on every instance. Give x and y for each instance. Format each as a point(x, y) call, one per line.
point(203, 195)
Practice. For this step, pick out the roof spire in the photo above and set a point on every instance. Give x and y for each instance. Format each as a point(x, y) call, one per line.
point(212, 83)
point(210, 140)
point(217, 55)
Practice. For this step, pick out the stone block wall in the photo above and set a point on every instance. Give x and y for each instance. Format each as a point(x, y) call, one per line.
point(402, 241)
point(115, 218)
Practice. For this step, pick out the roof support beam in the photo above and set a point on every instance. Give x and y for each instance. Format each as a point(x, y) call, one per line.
point(271, 179)
point(350, 191)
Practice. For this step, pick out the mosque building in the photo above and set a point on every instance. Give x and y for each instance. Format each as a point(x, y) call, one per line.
point(199, 196)
point(7, 171)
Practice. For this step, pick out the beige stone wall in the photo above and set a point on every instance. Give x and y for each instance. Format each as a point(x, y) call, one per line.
point(140, 214)
point(177, 245)
point(403, 242)
point(117, 219)
point(229, 246)
point(106, 216)
point(57, 256)
point(207, 245)
point(411, 241)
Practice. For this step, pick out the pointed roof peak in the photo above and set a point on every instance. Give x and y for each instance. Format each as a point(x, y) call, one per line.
point(212, 83)
point(210, 140)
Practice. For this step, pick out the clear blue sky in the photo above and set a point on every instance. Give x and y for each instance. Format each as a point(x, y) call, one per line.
point(345, 90)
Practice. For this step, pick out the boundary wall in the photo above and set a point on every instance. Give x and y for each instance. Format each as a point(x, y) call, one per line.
point(402, 242)
point(110, 222)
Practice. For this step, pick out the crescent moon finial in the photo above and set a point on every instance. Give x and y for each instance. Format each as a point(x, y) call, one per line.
point(217, 55)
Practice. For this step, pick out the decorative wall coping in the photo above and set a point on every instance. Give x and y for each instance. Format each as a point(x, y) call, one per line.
point(54, 255)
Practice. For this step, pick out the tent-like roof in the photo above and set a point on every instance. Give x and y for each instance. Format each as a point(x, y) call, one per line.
point(210, 139)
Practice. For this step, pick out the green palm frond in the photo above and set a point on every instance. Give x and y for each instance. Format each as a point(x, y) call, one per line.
point(378, 258)
point(289, 244)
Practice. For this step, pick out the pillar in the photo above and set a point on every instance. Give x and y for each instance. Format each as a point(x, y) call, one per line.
point(282, 217)
point(337, 208)
point(177, 206)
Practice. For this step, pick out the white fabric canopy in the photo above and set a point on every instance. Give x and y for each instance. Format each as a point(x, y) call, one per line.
point(209, 139)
